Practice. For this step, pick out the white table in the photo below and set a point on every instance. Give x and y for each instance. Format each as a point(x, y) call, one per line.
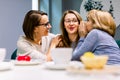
point(39, 72)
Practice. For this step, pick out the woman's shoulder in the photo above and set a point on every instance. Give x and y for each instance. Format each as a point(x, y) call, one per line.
point(98, 32)
point(51, 34)
point(22, 38)
point(95, 31)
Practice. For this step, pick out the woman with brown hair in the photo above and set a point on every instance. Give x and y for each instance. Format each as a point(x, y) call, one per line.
point(36, 28)
point(69, 25)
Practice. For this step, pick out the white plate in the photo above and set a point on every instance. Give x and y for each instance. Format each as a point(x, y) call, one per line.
point(26, 63)
point(4, 66)
point(52, 66)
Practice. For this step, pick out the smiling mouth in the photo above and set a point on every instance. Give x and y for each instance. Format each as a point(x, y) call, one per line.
point(71, 28)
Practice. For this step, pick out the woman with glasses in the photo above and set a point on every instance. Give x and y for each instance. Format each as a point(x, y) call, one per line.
point(97, 36)
point(69, 25)
point(36, 28)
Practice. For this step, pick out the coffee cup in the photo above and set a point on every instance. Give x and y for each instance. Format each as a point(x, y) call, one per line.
point(61, 55)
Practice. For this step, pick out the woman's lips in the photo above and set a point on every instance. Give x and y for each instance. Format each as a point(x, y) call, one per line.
point(71, 28)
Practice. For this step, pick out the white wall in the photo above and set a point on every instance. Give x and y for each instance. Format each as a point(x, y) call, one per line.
point(12, 13)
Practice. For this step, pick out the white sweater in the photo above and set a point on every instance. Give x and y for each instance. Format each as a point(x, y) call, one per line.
point(25, 47)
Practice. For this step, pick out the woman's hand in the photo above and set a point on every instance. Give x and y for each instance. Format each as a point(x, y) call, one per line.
point(82, 29)
point(55, 41)
point(49, 58)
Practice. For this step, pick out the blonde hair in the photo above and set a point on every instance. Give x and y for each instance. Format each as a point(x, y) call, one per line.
point(102, 20)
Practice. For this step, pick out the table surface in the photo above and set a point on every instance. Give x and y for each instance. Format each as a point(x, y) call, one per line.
point(39, 72)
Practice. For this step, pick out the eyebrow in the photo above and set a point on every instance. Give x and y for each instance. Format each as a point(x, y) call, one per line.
point(72, 19)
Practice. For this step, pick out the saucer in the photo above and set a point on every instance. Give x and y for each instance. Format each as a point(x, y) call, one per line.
point(4, 66)
point(53, 66)
point(26, 63)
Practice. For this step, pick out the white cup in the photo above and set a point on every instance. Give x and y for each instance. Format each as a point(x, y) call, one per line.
point(2, 54)
point(61, 55)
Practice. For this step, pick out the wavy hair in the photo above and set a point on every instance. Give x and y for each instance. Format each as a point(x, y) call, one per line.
point(102, 20)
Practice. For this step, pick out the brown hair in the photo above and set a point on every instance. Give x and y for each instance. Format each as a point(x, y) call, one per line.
point(31, 20)
point(64, 35)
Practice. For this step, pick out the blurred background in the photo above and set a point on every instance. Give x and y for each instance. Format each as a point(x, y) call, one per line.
point(12, 14)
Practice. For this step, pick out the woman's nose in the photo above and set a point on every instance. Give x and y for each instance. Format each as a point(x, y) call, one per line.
point(49, 26)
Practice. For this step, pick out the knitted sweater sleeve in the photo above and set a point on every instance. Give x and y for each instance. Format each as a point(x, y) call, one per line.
point(85, 45)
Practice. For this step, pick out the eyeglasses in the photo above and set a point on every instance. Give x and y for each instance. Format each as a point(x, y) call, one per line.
point(73, 21)
point(45, 24)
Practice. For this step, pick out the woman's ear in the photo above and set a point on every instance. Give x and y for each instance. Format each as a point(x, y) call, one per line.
point(36, 29)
